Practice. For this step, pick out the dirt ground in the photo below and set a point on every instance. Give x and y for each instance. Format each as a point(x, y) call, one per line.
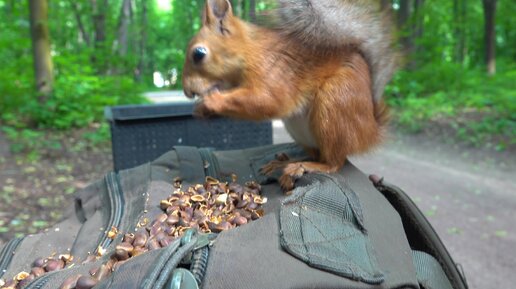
point(34, 193)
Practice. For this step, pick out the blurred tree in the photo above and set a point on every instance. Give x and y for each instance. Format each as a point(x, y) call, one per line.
point(126, 14)
point(490, 35)
point(403, 17)
point(142, 67)
point(404, 12)
point(459, 15)
point(99, 21)
point(82, 30)
point(252, 10)
point(237, 7)
point(417, 32)
point(98, 18)
point(386, 5)
point(43, 66)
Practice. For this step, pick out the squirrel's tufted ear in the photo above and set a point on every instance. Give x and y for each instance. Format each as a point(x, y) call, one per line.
point(216, 12)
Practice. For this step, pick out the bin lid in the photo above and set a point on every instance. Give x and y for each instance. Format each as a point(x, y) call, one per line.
point(147, 111)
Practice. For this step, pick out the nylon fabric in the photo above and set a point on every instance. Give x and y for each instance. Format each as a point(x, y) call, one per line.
point(132, 274)
point(322, 224)
point(420, 233)
point(59, 238)
point(429, 272)
point(384, 228)
point(173, 262)
point(191, 166)
point(158, 265)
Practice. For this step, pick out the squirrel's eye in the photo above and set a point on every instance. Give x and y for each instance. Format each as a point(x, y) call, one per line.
point(199, 53)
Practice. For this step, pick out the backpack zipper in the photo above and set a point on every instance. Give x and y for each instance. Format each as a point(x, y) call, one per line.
point(212, 168)
point(41, 281)
point(6, 255)
point(116, 202)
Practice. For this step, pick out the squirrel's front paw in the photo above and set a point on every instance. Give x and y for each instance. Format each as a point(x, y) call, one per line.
point(208, 107)
point(201, 110)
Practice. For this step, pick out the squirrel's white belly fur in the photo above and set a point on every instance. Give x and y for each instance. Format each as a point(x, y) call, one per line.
point(298, 127)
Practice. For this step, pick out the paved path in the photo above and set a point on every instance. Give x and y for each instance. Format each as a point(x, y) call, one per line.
point(468, 196)
point(167, 96)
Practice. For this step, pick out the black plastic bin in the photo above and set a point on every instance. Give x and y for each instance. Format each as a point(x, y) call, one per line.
point(141, 133)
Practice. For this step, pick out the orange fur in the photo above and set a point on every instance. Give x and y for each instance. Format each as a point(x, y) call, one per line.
point(259, 74)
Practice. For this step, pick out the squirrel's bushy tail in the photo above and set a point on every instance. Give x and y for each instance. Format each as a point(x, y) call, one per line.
point(330, 24)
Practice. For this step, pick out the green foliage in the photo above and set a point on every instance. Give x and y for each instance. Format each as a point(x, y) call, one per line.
point(444, 79)
point(476, 106)
point(86, 79)
point(78, 98)
point(445, 83)
point(16, 76)
point(101, 135)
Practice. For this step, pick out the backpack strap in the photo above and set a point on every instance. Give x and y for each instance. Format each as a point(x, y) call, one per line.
point(429, 272)
point(421, 234)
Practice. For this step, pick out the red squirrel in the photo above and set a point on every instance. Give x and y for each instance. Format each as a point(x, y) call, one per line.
point(321, 68)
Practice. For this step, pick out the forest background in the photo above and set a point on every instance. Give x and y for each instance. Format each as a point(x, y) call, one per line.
point(63, 61)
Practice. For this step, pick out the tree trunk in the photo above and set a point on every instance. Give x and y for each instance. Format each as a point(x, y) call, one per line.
point(463, 39)
point(252, 11)
point(419, 20)
point(9, 7)
point(459, 15)
point(490, 35)
point(99, 22)
point(123, 29)
point(237, 7)
point(99, 28)
point(43, 68)
point(386, 5)
point(82, 32)
point(418, 23)
point(416, 32)
point(403, 13)
point(140, 70)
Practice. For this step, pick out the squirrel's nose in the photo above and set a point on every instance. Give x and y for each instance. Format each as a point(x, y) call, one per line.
point(199, 53)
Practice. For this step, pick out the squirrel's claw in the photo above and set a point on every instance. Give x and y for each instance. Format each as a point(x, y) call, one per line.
point(281, 161)
point(291, 173)
point(272, 166)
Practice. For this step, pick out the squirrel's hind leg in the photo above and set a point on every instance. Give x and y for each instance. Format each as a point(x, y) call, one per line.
point(342, 120)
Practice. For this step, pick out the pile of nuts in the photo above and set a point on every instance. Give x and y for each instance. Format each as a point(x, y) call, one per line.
point(210, 207)
point(40, 266)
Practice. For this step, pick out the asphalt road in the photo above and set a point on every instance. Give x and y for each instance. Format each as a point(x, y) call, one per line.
point(468, 195)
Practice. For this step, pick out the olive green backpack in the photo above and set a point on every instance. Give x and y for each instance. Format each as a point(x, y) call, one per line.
point(338, 230)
